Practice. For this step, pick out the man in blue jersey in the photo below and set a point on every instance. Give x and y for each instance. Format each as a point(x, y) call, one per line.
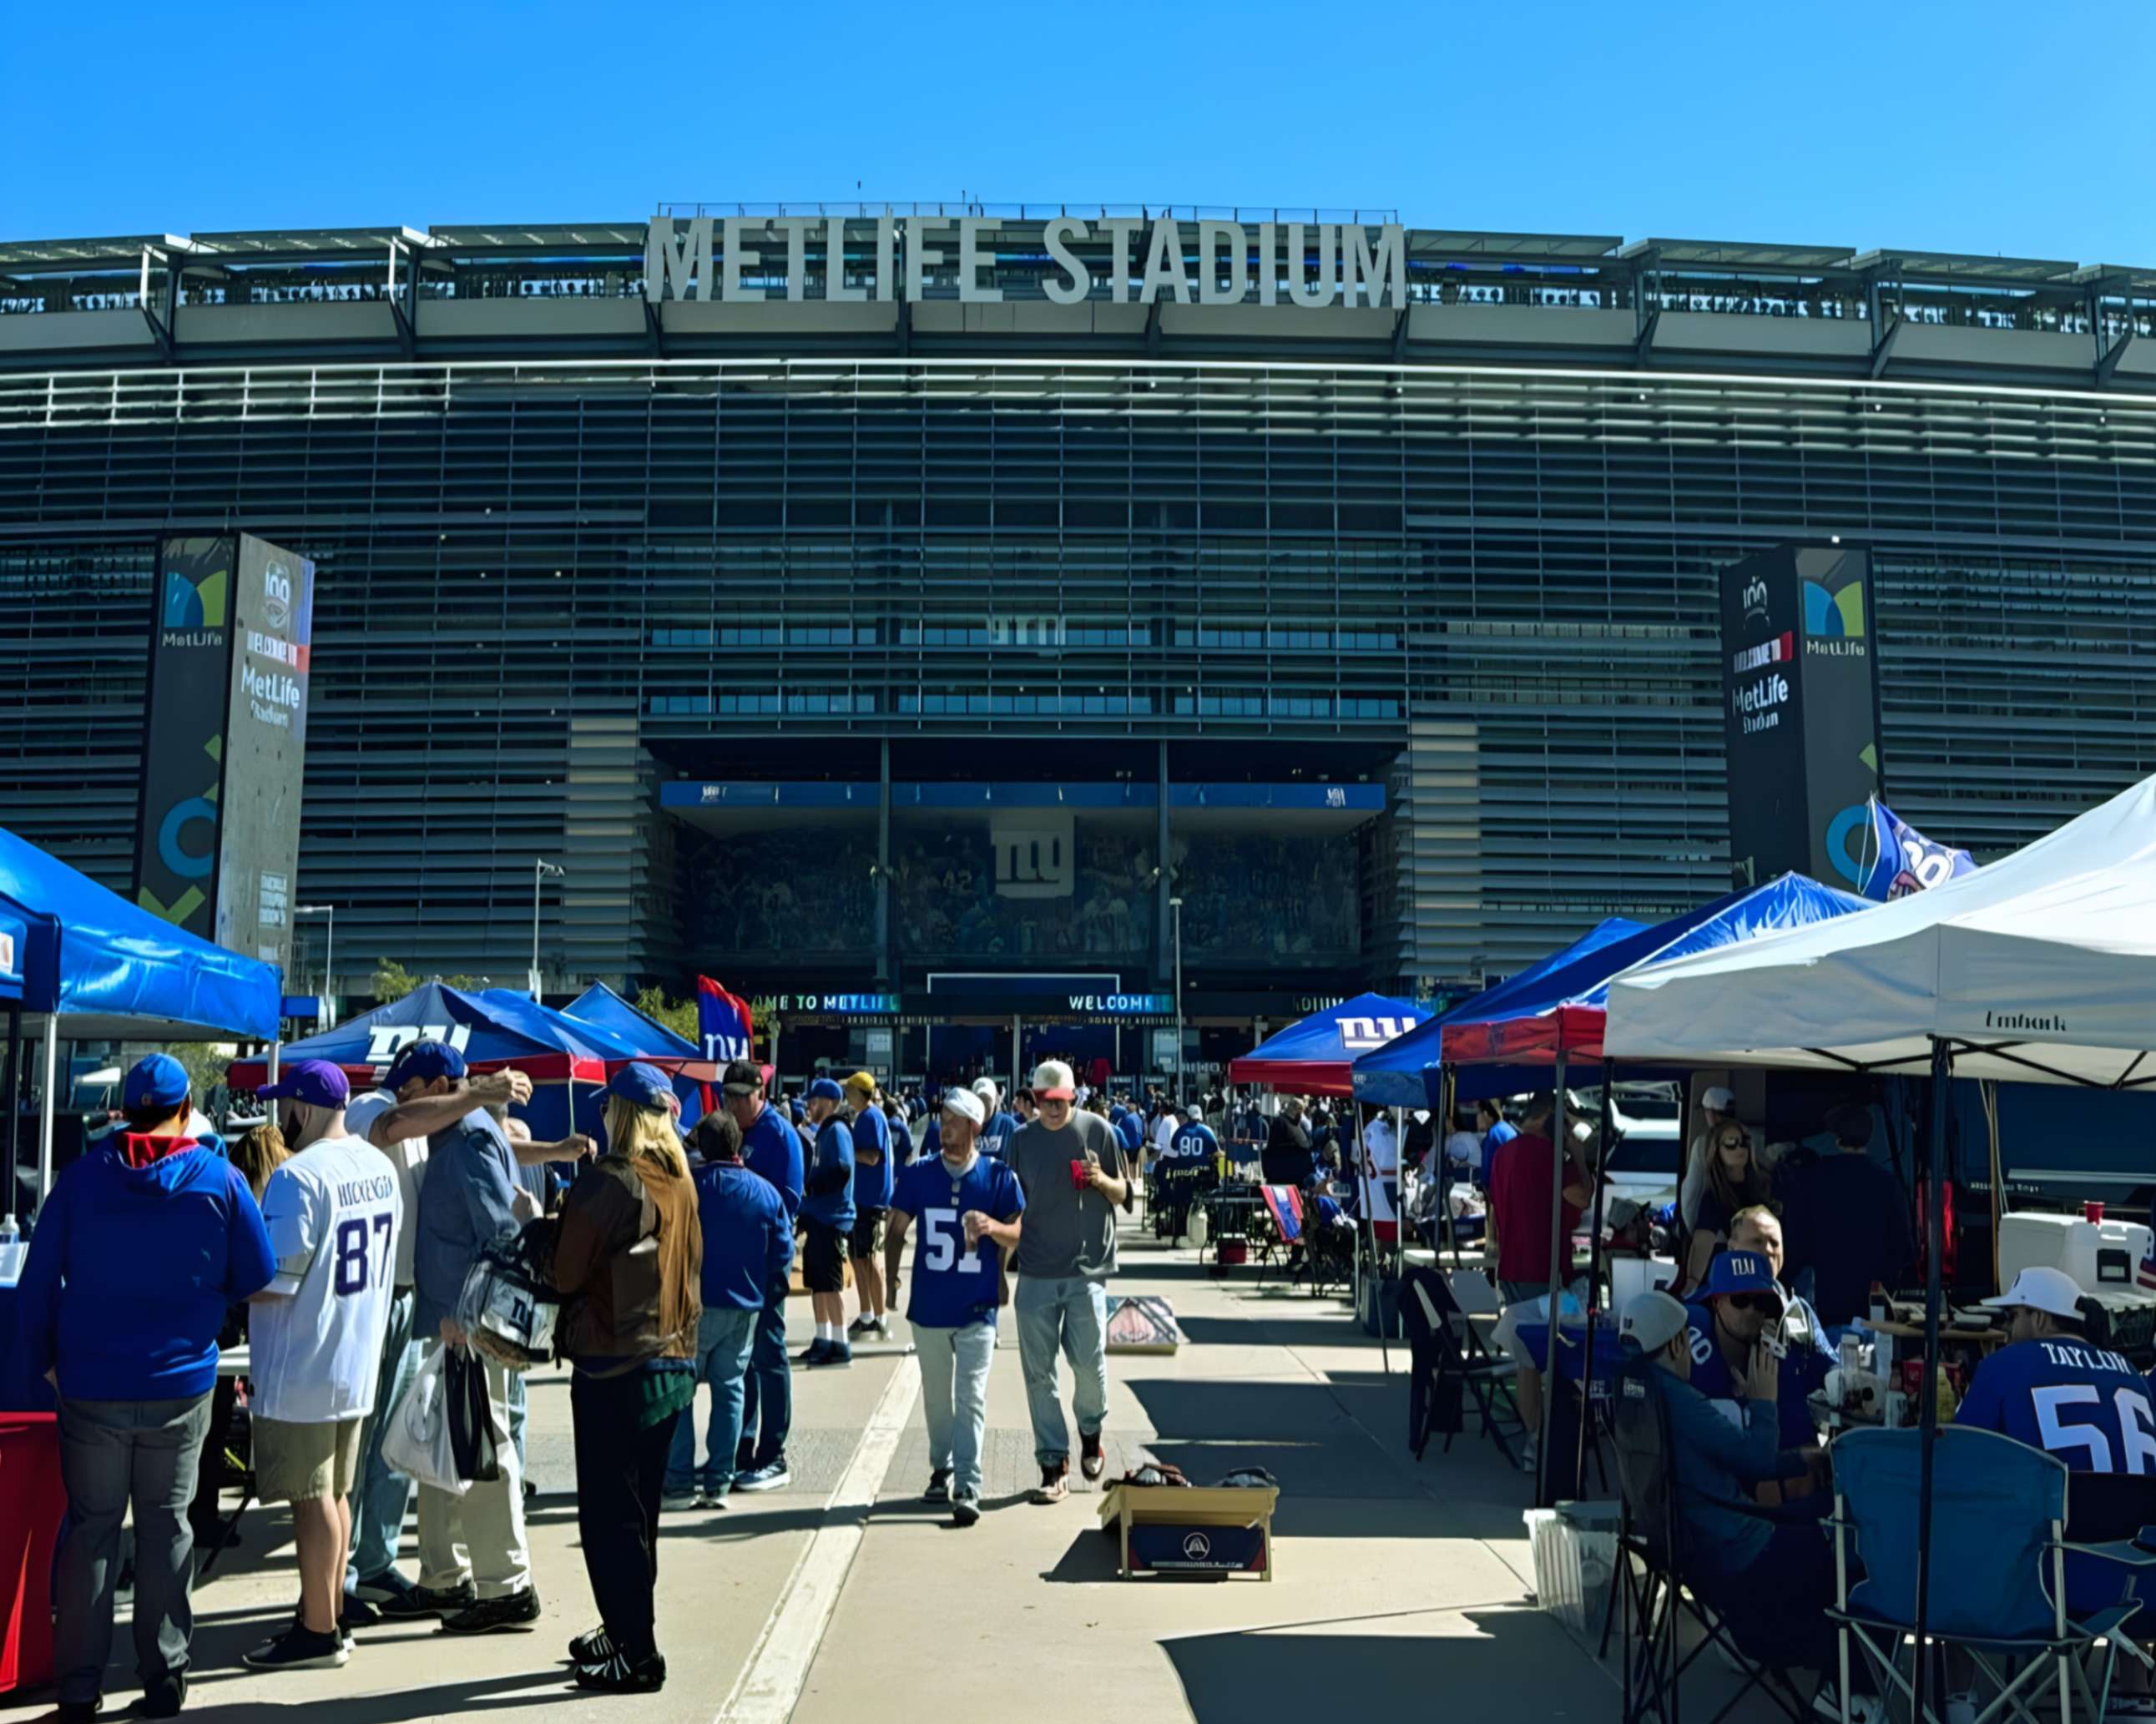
point(999, 1126)
point(901, 1131)
point(872, 1175)
point(827, 1212)
point(958, 1272)
point(1194, 1137)
point(1130, 1130)
point(770, 1146)
point(1741, 1305)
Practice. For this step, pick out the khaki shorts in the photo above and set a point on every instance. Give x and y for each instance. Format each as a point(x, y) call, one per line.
point(301, 1462)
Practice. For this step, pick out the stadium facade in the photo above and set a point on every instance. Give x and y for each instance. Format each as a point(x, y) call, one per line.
point(929, 618)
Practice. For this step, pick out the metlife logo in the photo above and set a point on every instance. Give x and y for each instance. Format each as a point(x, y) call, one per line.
point(1754, 707)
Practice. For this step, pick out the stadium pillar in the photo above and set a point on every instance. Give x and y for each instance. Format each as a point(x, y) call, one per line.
point(1161, 885)
point(883, 867)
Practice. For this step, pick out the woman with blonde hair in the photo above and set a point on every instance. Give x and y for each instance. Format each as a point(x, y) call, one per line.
point(628, 1264)
point(258, 1154)
point(1735, 1182)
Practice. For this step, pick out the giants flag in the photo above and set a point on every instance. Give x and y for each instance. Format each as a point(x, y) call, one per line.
point(1905, 860)
point(724, 1022)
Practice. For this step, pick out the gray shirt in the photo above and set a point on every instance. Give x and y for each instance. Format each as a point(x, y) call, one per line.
point(1067, 1233)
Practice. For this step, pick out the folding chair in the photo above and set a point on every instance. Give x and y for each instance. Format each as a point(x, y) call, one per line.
point(1656, 1592)
point(1284, 1205)
point(2006, 1585)
point(1449, 1360)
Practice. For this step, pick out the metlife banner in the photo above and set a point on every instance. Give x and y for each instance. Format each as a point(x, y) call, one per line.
point(1800, 719)
point(224, 741)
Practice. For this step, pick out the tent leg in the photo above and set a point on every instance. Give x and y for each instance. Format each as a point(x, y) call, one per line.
point(1377, 1263)
point(14, 1106)
point(274, 1048)
point(52, 1078)
point(1594, 1282)
point(1928, 1667)
point(1559, 1127)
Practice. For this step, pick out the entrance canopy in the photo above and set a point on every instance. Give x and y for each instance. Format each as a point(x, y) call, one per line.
point(1563, 1012)
point(1394, 1075)
point(1315, 1057)
point(110, 969)
point(2037, 968)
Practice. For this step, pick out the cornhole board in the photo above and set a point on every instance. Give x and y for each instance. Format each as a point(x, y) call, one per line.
point(1198, 1530)
point(1142, 1323)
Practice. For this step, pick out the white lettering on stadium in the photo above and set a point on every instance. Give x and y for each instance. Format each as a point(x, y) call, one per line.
point(1317, 263)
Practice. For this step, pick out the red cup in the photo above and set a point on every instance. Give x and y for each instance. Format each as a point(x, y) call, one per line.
point(2093, 1212)
point(1913, 1378)
point(1078, 1179)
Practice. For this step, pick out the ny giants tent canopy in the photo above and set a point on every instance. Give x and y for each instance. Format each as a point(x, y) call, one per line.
point(2039, 967)
point(1400, 1074)
point(600, 1005)
point(1314, 1057)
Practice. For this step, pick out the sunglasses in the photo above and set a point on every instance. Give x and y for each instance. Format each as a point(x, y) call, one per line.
point(1755, 1302)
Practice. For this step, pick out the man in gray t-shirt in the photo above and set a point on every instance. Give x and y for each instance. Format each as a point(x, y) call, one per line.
point(1076, 1178)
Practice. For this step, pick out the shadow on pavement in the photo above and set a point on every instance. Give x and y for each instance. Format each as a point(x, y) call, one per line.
point(1259, 1326)
point(220, 1694)
point(1510, 1667)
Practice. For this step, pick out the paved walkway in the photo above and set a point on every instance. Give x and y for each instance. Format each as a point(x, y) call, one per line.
point(1399, 1587)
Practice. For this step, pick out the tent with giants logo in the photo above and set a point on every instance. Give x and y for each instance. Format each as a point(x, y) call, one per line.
point(1317, 1056)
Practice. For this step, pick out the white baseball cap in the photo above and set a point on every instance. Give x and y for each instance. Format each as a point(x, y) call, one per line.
point(2047, 1289)
point(1722, 1101)
point(1053, 1081)
point(965, 1103)
point(986, 1089)
point(1650, 1322)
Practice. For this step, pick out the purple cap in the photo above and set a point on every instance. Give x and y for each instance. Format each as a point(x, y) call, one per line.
point(316, 1082)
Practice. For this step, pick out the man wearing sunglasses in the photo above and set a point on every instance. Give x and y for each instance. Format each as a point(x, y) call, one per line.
point(1739, 1316)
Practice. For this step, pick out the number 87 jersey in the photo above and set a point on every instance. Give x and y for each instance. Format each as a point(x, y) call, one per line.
point(953, 1286)
point(315, 1342)
point(2085, 1404)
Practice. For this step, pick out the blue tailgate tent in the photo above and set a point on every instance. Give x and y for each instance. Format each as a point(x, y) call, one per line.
point(1392, 1075)
point(600, 1005)
point(1311, 1057)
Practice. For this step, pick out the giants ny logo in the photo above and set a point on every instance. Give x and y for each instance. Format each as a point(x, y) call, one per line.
point(1033, 861)
point(384, 1040)
point(1364, 1034)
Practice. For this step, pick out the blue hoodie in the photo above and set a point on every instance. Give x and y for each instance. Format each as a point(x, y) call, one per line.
point(142, 1245)
point(748, 1236)
point(772, 1148)
point(829, 1199)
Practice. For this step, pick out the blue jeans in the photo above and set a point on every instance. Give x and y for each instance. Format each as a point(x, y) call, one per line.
point(767, 1393)
point(954, 1395)
point(380, 1498)
point(113, 1453)
point(1072, 1316)
point(724, 1339)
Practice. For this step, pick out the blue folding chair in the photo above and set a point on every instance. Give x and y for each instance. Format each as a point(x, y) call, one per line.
point(1999, 1570)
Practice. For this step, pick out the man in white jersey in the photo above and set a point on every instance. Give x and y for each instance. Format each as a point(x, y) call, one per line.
point(314, 1338)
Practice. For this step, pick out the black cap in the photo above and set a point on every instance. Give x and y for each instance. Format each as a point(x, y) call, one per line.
point(742, 1078)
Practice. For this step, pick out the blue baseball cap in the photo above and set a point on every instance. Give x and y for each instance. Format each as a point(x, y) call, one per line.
point(643, 1083)
point(1740, 1272)
point(154, 1081)
point(824, 1090)
point(427, 1058)
point(316, 1082)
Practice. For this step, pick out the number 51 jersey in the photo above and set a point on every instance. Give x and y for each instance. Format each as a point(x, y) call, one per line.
point(2085, 1404)
point(333, 1211)
point(954, 1287)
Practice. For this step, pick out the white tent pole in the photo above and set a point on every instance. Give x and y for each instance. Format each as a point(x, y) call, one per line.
point(52, 1060)
point(1370, 1227)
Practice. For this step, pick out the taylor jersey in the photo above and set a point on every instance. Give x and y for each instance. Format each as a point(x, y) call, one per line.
point(333, 1211)
point(2085, 1404)
point(954, 1286)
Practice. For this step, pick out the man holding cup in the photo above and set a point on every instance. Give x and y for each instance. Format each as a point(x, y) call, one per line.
point(968, 1206)
point(1075, 1178)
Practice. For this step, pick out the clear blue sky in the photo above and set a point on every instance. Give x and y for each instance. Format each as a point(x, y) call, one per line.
point(1971, 126)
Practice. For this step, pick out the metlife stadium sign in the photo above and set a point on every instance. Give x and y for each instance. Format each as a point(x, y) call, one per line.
point(1133, 260)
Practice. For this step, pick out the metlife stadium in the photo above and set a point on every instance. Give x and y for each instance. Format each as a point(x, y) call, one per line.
point(890, 610)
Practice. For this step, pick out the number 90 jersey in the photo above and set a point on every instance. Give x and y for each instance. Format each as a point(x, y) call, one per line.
point(333, 1211)
point(954, 1287)
point(2084, 1404)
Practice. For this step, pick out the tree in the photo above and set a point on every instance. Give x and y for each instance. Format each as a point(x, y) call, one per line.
point(205, 1063)
point(391, 981)
point(679, 1016)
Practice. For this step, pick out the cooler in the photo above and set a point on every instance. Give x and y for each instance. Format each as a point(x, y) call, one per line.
point(2097, 1255)
point(32, 1501)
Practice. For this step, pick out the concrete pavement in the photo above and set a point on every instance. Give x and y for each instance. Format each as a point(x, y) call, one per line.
point(1398, 1585)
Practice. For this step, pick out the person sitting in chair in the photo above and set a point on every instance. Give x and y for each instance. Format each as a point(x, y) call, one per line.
point(1740, 1308)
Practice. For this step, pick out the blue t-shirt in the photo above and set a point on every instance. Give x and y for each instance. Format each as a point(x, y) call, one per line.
point(996, 1134)
point(772, 1148)
point(954, 1287)
point(1196, 1138)
point(828, 1199)
point(871, 1182)
point(1132, 1130)
point(1805, 1361)
point(1493, 1140)
point(932, 1138)
point(901, 1141)
point(2085, 1404)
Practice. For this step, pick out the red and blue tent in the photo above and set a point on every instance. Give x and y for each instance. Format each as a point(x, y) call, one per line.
point(1316, 1056)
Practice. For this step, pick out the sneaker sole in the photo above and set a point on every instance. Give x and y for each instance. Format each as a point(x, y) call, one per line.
point(324, 1661)
point(764, 1485)
point(494, 1628)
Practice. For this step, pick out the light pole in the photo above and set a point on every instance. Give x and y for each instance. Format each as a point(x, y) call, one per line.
point(541, 868)
point(1175, 912)
point(329, 954)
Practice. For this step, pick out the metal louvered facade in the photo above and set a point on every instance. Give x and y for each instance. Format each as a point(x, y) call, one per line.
point(547, 581)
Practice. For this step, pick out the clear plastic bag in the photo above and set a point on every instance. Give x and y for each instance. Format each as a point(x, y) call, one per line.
point(417, 1440)
point(508, 1305)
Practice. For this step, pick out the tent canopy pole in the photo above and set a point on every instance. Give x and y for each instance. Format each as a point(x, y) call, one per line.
point(45, 1103)
point(1559, 1127)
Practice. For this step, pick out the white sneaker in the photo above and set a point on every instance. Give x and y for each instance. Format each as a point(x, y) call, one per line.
point(1961, 1709)
point(1863, 1708)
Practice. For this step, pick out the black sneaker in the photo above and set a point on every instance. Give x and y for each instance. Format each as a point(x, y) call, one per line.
point(163, 1697)
point(79, 1711)
point(381, 1589)
point(841, 1353)
point(965, 1510)
point(745, 1460)
point(1055, 1483)
point(939, 1486)
point(518, 1612)
point(1091, 1461)
point(298, 1649)
point(595, 1647)
point(813, 1353)
point(618, 1675)
point(420, 1601)
point(859, 1326)
point(770, 1476)
point(358, 1614)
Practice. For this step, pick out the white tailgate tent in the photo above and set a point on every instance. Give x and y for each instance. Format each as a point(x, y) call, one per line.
point(2037, 968)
